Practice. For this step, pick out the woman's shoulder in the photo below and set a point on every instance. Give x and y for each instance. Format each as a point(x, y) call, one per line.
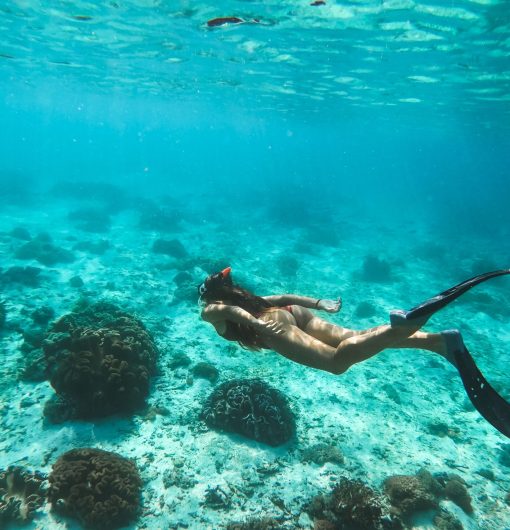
point(213, 311)
point(221, 327)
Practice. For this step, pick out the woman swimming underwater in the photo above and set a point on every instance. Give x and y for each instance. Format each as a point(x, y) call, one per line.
point(285, 324)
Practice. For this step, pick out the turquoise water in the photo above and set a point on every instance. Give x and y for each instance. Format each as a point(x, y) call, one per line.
point(355, 149)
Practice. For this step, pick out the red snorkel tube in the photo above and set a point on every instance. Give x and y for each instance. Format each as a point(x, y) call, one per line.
point(225, 272)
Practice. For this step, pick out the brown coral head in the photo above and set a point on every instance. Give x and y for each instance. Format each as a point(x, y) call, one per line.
point(410, 494)
point(22, 493)
point(355, 503)
point(99, 488)
point(104, 365)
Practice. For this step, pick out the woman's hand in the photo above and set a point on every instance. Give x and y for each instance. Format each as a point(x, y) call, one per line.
point(269, 327)
point(330, 306)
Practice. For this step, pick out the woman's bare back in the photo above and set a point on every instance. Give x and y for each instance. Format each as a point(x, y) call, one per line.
point(280, 315)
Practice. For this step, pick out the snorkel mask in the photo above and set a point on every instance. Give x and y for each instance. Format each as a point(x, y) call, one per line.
point(215, 281)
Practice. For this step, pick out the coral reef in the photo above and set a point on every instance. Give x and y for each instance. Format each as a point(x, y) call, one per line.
point(217, 498)
point(32, 367)
point(26, 276)
point(186, 288)
point(76, 282)
point(410, 494)
point(375, 269)
point(183, 278)
point(32, 364)
point(251, 408)
point(59, 409)
point(171, 247)
point(99, 488)
point(352, 504)
point(455, 489)
point(442, 429)
point(178, 360)
point(22, 493)
point(42, 249)
point(206, 371)
point(446, 521)
point(322, 453)
point(356, 504)
point(33, 337)
point(99, 361)
point(423, 491)
point(42, 315)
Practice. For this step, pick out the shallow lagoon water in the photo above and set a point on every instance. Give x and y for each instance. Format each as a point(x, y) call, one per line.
point(355, 149)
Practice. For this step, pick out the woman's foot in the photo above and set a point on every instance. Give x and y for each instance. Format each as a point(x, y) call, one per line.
point(452, 343)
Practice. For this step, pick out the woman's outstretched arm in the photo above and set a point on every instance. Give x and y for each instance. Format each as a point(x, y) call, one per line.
point(280, 300)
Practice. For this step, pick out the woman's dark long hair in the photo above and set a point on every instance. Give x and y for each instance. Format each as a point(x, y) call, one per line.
point(235, 295)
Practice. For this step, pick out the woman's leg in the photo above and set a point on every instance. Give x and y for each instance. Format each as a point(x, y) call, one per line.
point(328, 333)
point(337, 348)
point(364, 345)
point(333, 335)
point(320, 329)
point(421, 340)
point(301, 347)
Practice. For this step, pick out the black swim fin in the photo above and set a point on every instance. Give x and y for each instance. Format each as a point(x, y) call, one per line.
point(494, 408)
point(426, 309)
